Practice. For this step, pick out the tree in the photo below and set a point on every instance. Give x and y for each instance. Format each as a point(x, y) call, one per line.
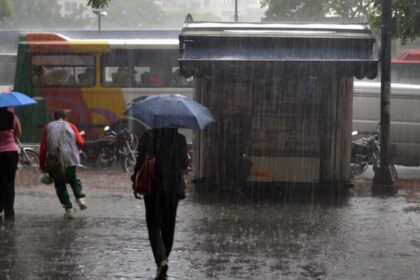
point(405, 18)
point(316, 9)
point(42, 14)
point(98, 4)
point(405, 13)
point(350, 9)
point(6, 9)
point(293, 10)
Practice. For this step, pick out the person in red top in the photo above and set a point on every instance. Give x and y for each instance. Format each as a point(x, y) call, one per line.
point(63, 134)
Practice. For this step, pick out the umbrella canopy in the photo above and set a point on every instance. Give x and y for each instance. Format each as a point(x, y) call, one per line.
point(15, 99)
point(171, 111)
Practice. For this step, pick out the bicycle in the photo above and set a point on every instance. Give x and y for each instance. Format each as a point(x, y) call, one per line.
point(28, 157)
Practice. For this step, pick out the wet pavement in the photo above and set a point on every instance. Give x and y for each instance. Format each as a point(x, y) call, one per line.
point(358, 237)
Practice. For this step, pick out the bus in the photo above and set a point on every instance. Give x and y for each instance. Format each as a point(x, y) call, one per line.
point(93, 80)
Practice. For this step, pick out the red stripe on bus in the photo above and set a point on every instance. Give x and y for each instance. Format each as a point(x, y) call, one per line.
point(52, 47)
point(38, 37)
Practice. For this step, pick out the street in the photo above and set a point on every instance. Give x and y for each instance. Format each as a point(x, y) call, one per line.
point(358, 237)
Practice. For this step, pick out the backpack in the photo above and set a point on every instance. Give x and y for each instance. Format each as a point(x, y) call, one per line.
point(54, 161)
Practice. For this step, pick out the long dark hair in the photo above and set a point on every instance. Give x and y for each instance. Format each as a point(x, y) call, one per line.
point(6, 119)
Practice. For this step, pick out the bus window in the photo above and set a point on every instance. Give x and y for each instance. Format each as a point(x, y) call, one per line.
point(159, 68)
point(151, 66)
point(119, 76)
point(117, 69)
point(87, 77)
point(143, 75)
point(142, 68)
point(63, 71)
point(157, 75)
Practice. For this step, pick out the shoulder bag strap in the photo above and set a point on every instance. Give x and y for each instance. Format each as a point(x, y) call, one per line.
point(60, 142)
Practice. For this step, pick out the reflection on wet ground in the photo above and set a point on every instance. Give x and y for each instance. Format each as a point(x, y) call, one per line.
point(359, 237)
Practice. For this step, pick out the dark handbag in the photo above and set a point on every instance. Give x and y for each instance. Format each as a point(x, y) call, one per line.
point(55, 165)
point(145, 179)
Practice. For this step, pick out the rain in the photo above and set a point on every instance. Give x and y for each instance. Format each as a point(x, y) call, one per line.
point(291, 168)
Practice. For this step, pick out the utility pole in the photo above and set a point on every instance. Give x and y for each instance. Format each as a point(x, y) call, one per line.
point(99, 14)
point(384, 180)
point(236, 17)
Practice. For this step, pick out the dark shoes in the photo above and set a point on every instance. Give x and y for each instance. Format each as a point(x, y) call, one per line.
point(8, 215)
point(162, 270)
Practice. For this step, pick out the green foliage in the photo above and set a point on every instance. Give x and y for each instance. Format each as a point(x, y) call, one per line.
point(405, 13)
point(286, 10)
point(98, 4)
point(405, 19)
point(350, 9)
point(6, 8)
point(293, 10)
point(42, 14)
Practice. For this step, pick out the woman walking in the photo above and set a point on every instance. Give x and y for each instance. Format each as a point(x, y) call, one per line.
point(9, 130)
point(170, 150)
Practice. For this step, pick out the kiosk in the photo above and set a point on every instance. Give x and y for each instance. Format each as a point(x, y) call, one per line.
point(281, 95)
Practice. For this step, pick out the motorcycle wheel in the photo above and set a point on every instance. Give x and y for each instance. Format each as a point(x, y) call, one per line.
point(84, 160)
point(28, 161)
point(135, 141)
point(129, 163)
point(394, 172)
point(357, 169)
point(105, 159)
point(391, 167)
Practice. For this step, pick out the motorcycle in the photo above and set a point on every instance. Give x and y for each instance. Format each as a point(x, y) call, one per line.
point(364, 152)
point(113, 147)
point(189, 155)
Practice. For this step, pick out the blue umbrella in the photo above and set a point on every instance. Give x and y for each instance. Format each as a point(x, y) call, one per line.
point(15, 99)
point(171, 111)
